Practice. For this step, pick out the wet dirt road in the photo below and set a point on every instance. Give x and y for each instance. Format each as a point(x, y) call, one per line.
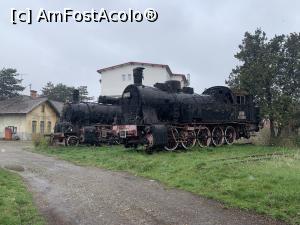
point(70, 194)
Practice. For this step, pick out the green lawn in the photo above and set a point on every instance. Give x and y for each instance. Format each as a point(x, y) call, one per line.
point(268, 184)
point(16, 206)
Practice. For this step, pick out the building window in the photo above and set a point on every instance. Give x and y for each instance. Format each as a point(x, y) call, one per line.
point(123, 77)
point(129, 77)
point(49, 127)
point(42, 127)
point(34, 127)
point(43, 108)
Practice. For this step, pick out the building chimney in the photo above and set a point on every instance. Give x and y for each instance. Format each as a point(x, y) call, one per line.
point(33, 94)
point(138, 75)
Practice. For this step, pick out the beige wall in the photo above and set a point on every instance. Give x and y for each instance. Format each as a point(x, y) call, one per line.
point(112, 81)
point(24, 122)
point(37, 115)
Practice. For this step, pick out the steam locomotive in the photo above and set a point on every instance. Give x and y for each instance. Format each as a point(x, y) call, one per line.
point(165, 115)
point(88, 123)
point(169, 116)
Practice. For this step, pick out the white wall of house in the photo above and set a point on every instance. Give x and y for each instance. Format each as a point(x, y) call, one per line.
point(18, 121)
point(114, 81)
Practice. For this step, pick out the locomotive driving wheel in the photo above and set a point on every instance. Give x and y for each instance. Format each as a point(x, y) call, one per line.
point(72, 141)
point(217, 136)
point(230, 135)
point(188, 139)
point(173, 137)
point(204, 137)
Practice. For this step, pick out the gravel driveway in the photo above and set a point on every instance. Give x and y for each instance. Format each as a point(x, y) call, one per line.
point(70, 194)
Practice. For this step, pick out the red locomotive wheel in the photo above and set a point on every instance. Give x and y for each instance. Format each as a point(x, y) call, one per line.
point(204, 137)
point(188, 139)
point(217, 136)
point(230, 135)
point(173, 137)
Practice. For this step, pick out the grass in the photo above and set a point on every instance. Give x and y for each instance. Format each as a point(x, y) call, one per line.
point(269, 184)
point(16, 205)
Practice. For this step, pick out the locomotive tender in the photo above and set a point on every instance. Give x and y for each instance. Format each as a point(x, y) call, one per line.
point(88, 123)
point(170, 116)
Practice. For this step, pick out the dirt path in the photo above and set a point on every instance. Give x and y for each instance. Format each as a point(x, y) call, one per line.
point(70, 194)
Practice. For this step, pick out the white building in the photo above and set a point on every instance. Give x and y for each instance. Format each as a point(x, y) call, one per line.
point(114, 79)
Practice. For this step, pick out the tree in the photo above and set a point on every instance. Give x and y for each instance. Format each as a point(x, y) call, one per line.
point(290, 78)
point(10, 86)
point(269, 69)
point(83, 94)
point(62, 93)
point(59, 92)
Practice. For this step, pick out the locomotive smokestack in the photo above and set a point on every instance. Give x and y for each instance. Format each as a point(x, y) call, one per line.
point(75, 97)
point(138, 75)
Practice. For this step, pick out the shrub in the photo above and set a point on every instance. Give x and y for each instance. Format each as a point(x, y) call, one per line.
point(290, 141)
point(39, 141)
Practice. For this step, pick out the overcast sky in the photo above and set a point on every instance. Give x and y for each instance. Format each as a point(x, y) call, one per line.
point(195, 37)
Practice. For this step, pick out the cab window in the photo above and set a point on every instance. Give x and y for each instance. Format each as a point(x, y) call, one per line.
point(241, 100)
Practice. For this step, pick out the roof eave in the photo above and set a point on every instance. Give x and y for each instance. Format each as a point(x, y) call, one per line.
point(53, 106)
point(133, 63)
point(14, 113)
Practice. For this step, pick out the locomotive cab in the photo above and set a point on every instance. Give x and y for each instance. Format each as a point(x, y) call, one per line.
point(246, 108)
point(244, 102)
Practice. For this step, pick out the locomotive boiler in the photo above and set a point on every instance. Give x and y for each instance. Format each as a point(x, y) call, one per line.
point(88, 123)
point(170, 116)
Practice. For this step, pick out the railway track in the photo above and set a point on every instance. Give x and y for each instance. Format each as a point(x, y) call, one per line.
point(249, 158)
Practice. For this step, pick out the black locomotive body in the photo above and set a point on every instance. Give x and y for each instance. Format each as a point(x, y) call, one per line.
point(88, 123)
point(168, 115)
